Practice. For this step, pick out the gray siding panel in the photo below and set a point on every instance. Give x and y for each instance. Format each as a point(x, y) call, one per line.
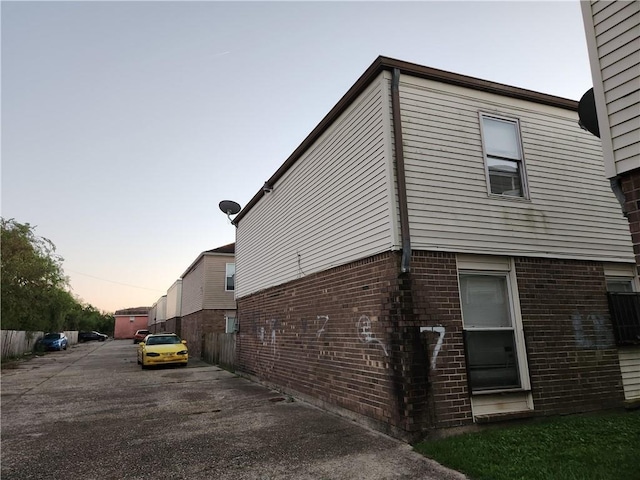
point(572, 212)
point(215, 295)
point(330, 208)
point(174, 300)
point(193, 289)
point(617, 51)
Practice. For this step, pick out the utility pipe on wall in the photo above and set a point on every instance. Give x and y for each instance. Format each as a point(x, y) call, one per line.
point(400, 175)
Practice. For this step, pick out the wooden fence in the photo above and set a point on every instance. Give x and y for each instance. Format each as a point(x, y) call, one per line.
point(15, 343)
point(220, 349)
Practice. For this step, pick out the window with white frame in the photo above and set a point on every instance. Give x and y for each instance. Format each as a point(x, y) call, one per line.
point(489, 331)
point(231, 324)
point(230, 277)
point(504, 161)
point(620, 284)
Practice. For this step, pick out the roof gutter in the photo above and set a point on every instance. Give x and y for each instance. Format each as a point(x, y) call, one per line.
point(400, 173)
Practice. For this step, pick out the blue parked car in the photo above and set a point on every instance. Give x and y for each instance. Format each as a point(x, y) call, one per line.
point(54, 341)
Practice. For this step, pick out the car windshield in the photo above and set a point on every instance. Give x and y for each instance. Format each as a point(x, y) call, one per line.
point(163, 340)
point(52, 336)
point(142, 332)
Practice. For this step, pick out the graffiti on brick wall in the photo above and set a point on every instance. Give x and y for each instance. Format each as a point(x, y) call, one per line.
point(440, 330)
point(322, 319)
point(366, 335)
point(273, 323)
point(602, 336)
point(267, 335)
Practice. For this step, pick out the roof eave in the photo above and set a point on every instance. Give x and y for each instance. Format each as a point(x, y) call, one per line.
point(385, 63)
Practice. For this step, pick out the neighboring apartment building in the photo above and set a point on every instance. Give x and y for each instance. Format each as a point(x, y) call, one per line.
point(158, 316)
point(174, 307)
point(128, 320)
point(207, 302)
point(432, 256)
point(613, 39)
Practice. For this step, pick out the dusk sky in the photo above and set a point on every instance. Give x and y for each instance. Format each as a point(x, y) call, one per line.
point(124, 124)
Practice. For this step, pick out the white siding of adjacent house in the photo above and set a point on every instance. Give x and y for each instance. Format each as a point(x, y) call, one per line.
point(152, 315)
point(630, 369)
point(193, 288)
point(161, 309)
point(215, 295)
point(331, 208)
point(174, 300)
point(613, 39)
point(572, 212)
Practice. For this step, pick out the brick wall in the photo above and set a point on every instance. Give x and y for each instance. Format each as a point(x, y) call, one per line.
point(340, 337)
point(194, 325)
point(573, 360)
point(631, 190)
point(437, 303)
point(173, 326)
point(350, 337)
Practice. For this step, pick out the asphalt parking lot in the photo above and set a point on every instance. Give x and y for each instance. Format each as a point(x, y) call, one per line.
point(91, 413)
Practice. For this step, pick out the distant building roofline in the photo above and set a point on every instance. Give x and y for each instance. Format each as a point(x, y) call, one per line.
point(133, 311)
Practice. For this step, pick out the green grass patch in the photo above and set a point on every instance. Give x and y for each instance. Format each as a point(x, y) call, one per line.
point(577, 447)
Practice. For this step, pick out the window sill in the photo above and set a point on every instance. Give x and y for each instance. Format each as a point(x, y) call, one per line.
point(509, 197)
point(502, 417)
point(503, 390)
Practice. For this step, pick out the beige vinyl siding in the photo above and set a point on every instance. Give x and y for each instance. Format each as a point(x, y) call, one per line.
point(215, 296)
point(161, 309)
point(330, 208)
point(151, 316)
point(174, 300)
point(630, 368)
point(613, 37)
point(572, 212)
point(193, 289)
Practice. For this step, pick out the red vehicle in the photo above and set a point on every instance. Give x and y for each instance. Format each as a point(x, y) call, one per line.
point(139, 335)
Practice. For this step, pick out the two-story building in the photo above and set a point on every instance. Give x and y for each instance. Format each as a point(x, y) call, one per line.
point(613, 39)
point(207, 297)
point(431, 256)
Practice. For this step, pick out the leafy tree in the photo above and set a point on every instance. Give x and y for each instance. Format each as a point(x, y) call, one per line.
point(87, 317)
point(35, 293)
point(33, 285)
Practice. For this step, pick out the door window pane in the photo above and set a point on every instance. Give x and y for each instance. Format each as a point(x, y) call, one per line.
point(491, 360)
point(485, 301)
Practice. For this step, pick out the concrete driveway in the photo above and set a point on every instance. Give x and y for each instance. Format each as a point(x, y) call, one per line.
point(91, 413)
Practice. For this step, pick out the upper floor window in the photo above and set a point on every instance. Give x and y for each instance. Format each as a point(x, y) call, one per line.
point(230, 277)
point(504, 161)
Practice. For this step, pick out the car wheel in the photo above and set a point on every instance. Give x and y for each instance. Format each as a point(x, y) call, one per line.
point(64, 348)
point(144, 367)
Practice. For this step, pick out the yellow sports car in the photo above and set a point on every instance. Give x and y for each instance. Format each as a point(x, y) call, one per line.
point(162, 349)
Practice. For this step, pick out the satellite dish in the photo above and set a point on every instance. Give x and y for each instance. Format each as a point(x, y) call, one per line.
point(229, 207)
point(587, 113)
